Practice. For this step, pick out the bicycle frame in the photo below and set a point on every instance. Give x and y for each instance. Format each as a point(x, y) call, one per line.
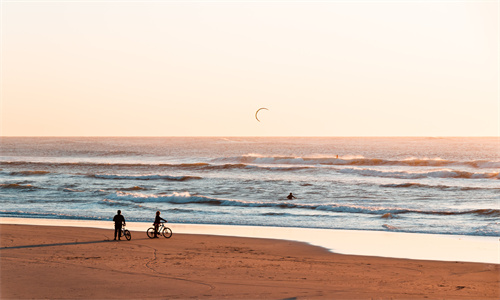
point(126, 233)
point(162, 230)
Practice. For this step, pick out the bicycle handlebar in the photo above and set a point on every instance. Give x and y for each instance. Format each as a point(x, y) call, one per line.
point(160, 223)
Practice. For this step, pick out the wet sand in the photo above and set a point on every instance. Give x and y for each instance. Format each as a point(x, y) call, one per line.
point(85, 263)
point(481, 249)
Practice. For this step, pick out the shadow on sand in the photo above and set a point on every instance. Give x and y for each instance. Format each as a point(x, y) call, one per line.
point(67, 244)
point(58, 244)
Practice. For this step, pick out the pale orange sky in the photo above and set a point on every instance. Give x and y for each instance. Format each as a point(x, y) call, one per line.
point(202, 68)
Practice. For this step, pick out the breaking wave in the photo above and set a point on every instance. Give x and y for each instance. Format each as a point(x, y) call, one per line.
point(134, 188)
point(188, 166)
point(145, 177)
point(441, 187)
point(18, 186)
point(110, 202)
point(445, 173)
point(71, 190)
point(187, 198)
point(411, 185)
point(29, 173)
point(51, 215)
point(388, 216)
point(390, 227)
point(360, 161)
point(263, 161)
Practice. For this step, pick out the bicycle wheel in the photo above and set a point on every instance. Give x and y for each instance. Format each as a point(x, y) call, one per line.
point(127, 235)
point(151, 232)
point(167, 232)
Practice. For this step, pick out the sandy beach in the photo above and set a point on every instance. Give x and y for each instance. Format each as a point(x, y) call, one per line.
point(77, 263)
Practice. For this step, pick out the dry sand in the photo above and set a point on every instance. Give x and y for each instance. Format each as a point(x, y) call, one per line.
point(69, 263)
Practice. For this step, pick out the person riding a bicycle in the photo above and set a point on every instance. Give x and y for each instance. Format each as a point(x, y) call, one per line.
point(157, 222)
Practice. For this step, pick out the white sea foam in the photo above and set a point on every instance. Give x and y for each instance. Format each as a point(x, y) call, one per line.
point(187, 198)
point(444, 173)
point(427, 185)
point(358, 160)
point(145, 177)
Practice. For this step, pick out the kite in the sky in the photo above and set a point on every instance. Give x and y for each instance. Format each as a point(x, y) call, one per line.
point(258, 112)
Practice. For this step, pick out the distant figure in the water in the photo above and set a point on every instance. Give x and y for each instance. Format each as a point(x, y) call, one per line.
point(119, 222)
point(291, 196)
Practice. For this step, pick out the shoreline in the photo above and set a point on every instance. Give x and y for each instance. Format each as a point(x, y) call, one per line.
point(62, 262)
point(416, 246)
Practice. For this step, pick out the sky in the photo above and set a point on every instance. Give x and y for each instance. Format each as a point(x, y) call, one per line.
point(203, 68)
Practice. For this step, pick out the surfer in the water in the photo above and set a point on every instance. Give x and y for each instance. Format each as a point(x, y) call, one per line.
point(291, 196)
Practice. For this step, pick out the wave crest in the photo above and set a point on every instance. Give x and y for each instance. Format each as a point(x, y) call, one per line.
point(359, 161)
point(187, 198)
point(145, 177)
point(244, 161)
point(18, 186)
point(29, 173)
point(445, 173)
point(440, 187)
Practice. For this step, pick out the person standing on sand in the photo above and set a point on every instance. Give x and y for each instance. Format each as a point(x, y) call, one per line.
point(157, 222)
point(119, 222)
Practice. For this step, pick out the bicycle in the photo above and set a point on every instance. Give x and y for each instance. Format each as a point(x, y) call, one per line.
point(162, 230)
point(126, 233)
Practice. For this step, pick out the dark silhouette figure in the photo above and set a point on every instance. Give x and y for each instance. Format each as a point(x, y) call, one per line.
point(119, 222)
point(291, 196)
point(157, 222)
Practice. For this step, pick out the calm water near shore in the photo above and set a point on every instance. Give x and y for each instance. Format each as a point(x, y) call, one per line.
point(417, 185)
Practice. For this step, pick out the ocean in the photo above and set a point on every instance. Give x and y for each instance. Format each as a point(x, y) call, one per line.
point(414, 185)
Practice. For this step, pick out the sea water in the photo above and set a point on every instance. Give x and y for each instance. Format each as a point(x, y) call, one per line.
point(409, 185)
